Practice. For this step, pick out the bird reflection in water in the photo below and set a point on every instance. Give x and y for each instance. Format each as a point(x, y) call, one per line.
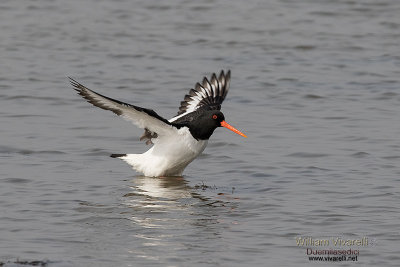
point(155, 201)
point(168, 216)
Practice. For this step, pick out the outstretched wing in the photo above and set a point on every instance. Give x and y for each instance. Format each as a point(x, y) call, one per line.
point(141, 117)
point(209, 94)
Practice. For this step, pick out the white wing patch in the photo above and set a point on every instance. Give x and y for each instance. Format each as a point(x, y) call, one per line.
point(141, 117)
point(210, 93)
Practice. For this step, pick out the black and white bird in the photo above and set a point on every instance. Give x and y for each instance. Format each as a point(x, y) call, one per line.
point(178, 141)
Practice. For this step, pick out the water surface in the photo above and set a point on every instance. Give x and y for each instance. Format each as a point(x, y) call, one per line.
point(315, 86)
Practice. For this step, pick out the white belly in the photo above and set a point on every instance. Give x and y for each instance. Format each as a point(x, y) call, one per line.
point(169, 156)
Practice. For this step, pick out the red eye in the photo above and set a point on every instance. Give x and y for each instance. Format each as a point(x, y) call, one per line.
point(214, 117)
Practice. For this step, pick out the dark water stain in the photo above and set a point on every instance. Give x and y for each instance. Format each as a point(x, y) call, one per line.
point(16, 180)
point(307, 155)
point(25, 263)
point(360, 154)
point(313, 96)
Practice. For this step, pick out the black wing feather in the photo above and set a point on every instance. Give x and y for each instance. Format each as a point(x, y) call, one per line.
point(209, 93)
point(148, 119)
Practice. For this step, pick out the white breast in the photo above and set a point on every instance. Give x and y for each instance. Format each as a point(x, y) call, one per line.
point(169, 156)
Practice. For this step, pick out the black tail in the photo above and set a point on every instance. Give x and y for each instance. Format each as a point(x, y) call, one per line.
point(117, 155)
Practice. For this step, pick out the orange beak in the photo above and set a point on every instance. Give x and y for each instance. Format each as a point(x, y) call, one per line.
point(226, 125)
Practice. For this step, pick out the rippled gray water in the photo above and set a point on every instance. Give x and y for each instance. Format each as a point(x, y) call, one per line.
point(315, 86)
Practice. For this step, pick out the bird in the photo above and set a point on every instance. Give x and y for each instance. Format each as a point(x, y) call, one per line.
point(175, 142)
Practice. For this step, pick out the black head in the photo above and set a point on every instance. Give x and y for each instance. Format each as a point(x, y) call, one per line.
point(203, 126)
point(203, 123)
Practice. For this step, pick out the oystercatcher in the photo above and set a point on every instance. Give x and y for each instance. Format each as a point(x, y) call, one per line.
point(177, 141)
